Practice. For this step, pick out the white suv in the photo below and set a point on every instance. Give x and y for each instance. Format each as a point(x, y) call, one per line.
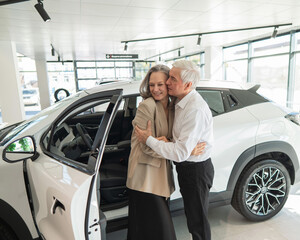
point(63, 172)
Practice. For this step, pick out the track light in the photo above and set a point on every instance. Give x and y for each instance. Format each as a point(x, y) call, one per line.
point(125, 47)
point(40, 8)
point(199, 40)
point(274, 34)
point(52, 50)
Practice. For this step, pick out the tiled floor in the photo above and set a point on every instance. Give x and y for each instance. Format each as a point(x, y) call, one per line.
point(227, 224)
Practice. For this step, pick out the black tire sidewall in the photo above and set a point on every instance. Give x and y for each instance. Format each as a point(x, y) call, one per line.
point(6, 233)
point(242, 185)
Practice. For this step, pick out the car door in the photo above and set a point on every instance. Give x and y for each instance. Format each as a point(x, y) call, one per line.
point(63, 191)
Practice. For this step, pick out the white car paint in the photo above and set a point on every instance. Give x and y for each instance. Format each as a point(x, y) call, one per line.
point(237, 130)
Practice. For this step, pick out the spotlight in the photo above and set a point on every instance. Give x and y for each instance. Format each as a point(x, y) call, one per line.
point(274, 34)
point(125, 47)
point(178, 52)
point(52, 50)
point(58, 58)
point(40, 8)
point(199, 40)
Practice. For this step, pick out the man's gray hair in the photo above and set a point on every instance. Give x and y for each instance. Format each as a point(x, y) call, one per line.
point(189, 72)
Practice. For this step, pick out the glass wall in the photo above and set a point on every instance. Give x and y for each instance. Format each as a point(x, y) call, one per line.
point(272, 63)
point(236, 70)
point(61, 75)
point(94, 73)
point(272, 74)
point(296, 100)
point(197, 58)
point(141, 69)
point(29, 84)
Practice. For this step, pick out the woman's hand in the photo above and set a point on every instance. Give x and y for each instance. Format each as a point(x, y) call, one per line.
point(199, 149)
point(163, 138)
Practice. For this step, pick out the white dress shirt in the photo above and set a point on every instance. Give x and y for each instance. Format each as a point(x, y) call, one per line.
point(193, 123)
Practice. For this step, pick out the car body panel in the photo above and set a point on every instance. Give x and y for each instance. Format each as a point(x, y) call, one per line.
point(52, 181)
point(241, 133)
point(228, 136)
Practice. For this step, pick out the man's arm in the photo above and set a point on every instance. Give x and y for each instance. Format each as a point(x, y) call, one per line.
point(188, 138)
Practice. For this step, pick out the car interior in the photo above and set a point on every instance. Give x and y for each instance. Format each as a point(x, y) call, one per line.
point(73, 139)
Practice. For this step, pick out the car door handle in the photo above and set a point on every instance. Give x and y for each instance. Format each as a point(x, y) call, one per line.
point(56, 204)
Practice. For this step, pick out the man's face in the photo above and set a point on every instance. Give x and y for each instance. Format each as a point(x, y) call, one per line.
point(175, 85)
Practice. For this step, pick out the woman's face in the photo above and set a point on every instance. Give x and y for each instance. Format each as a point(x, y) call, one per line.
point(157, 86)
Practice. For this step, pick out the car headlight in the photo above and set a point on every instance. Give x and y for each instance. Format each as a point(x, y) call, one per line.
point(294, 117)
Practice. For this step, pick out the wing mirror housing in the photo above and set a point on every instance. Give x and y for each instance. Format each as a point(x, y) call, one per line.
point(20, 149)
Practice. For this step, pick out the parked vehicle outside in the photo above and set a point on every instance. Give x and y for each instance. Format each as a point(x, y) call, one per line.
point(63, 172)
point(31, 97)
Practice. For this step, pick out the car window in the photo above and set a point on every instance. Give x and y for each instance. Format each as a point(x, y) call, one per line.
point(72, 143)
point(214, 100)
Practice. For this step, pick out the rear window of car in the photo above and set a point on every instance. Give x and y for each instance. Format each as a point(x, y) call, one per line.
point(214, 100)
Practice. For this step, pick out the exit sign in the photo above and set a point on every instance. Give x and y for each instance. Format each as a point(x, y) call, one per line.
point(122, 56)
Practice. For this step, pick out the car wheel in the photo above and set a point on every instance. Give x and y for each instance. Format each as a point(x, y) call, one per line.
point(261, 190)
point(6, 232)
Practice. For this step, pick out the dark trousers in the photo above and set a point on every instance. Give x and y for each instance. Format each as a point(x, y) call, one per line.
point(195, 181)
point(149, 217)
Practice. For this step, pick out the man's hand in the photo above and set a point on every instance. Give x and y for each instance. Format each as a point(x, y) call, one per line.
point(162, 138)
point(199, 149)
point(142, 135)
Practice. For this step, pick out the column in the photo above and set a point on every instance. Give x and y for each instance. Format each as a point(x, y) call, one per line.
point(213, 63)
point(43, 83)
point(11, 101)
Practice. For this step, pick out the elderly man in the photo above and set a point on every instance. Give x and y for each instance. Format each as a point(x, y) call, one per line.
point(193, 123)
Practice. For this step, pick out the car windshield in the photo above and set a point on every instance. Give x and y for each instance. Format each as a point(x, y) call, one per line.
point(59, 106)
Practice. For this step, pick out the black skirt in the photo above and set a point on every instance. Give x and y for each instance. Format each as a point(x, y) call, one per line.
point(149, 217)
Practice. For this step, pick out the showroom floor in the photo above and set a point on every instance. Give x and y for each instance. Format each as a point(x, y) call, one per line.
point(227, 224)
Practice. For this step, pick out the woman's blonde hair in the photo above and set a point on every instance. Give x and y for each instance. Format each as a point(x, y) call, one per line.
point(144, 87)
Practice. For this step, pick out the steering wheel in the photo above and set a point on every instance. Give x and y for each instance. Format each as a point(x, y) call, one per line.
point(84, 135)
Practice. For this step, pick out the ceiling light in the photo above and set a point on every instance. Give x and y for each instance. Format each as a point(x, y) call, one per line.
point(40, 8)
point(199, 40)
point(274, 34)
point(52, 50)
point(125, 47)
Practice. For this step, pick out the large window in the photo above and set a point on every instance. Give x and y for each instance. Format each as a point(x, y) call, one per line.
point(269, 62)
point(141, 69)
point(296, 100)
point(197, 58)
point(236, 70)
point(93, 73)
point(29, 84)
point(61, 75)
point(272, 74)
point(271, 46)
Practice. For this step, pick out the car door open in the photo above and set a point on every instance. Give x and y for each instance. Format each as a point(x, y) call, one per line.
point(62, 181)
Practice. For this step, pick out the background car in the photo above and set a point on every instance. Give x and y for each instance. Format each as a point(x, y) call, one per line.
point(31, 96)
point(68, 164)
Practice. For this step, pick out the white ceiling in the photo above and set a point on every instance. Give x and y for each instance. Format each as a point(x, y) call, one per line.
point(89, 29)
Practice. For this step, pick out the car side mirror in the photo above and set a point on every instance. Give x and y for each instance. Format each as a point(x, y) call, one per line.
point(20, 149)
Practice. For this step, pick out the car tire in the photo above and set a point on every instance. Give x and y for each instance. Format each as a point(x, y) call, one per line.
point(262, 190)
point(6, 233)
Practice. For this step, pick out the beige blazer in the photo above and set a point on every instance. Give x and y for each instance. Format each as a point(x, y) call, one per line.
point(148, 171)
